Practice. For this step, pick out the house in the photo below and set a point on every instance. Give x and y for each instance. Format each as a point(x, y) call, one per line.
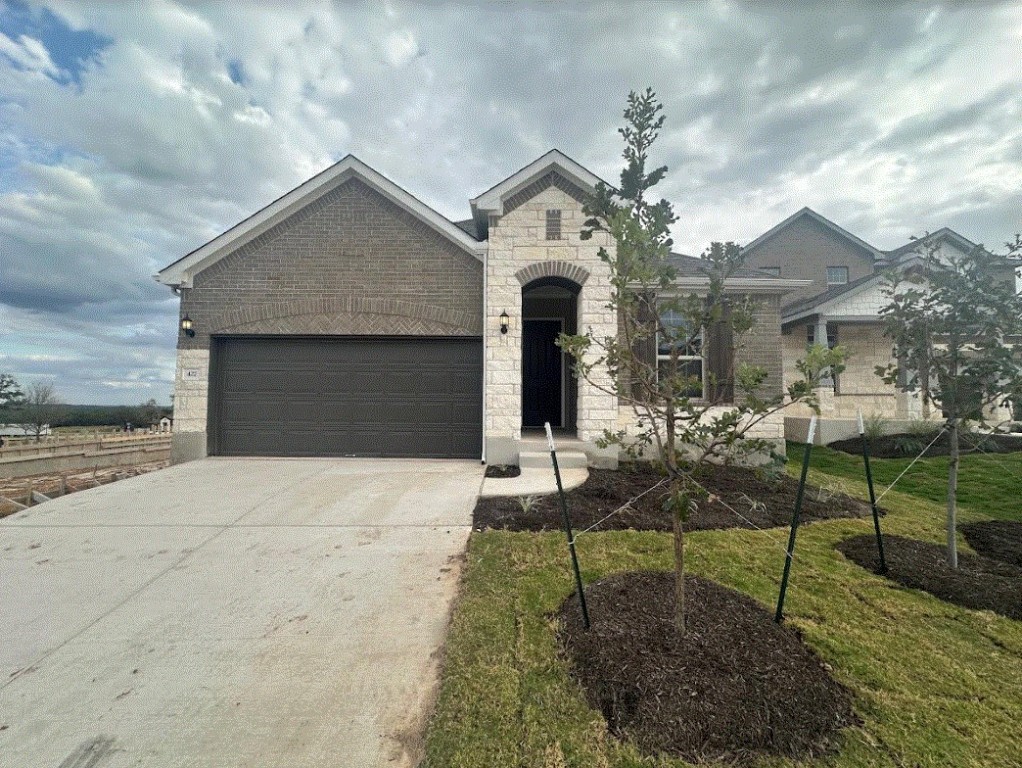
point(842, 304)
point(349, 318)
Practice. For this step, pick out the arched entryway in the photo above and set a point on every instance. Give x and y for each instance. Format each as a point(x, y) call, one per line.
point(549, 389)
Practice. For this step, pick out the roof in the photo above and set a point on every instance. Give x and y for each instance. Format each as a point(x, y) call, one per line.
point(492, 200)
point(181, 272)
point(804, 306)
point(469, 226)
point(694, 272)
point(809, 212)
point(920, 243)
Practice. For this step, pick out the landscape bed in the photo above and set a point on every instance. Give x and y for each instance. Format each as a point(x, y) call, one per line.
point(998, 539)
point(980, 583)
point(734, 686)
point(905, 444)
point(932, 683)
point(739, 498)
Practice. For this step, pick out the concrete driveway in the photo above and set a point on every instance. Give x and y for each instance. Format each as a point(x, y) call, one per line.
point(231, 612)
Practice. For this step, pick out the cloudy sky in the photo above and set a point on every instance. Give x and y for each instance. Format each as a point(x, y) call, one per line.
point(133, 133)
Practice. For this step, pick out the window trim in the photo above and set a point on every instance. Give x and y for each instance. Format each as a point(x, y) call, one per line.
point(842, 282)
point(774, 271)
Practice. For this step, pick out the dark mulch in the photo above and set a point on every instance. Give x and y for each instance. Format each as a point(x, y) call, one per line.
point(502, 470)
point(905, 445)
point(762, 501)
point(979, 582)
point(736, 686)
point(999, 539)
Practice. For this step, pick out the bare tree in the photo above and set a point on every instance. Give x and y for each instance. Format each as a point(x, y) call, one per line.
point(39, 408)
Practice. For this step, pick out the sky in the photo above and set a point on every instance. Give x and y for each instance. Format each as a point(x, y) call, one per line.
point(131, 134)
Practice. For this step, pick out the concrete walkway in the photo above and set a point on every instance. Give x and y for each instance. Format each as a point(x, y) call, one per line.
point(533, 481)
point(231, 612)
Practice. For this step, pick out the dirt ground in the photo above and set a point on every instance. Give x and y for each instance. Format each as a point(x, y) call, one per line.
point(735, 687)
point(904, 445)
point(998, 539)
point(979, 583)
point(738, 498)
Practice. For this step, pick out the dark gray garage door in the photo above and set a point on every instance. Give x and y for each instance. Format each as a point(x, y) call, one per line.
point(346, 396)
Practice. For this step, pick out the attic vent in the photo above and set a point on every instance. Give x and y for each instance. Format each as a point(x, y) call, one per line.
point(553, 224)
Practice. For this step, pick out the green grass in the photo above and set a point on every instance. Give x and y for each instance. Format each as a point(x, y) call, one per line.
point(987, 483)
point(935, 685)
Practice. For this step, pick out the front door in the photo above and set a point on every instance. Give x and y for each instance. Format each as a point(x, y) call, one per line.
point(542, 373)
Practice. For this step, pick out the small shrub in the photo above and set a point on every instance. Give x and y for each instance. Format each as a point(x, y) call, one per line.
point(875, 426)
point(527, 503)
point(908, 445)
point(922, 429)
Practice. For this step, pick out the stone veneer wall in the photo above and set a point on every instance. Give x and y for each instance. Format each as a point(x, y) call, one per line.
point(349, 263)
point(519, 253)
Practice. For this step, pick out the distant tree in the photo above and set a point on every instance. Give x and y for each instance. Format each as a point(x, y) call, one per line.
point(956, 325)
point(39, 408)
point(10, 391)
point(148, 413)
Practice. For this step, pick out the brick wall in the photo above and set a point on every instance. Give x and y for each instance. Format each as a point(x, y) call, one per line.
point(351, 262)
point(804, 249)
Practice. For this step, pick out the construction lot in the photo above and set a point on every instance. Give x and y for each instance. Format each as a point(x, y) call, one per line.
point(232, 612)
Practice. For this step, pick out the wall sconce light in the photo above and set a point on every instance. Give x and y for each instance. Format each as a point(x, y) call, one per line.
point(504, 319)
point(186, 326)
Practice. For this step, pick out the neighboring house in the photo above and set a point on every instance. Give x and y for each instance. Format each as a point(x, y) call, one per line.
point(843, 305)
point(349, 318)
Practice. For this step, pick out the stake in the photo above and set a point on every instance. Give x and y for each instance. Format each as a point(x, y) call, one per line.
point(779, 616)
point(567, 527)
point(872, 495)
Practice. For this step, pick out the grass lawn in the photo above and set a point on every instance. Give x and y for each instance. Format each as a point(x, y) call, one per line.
point(987, 483)
point(935, 685)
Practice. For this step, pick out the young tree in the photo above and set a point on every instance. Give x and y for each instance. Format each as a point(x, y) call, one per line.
point(654, 363)
point(39, 408)
point(956, 327)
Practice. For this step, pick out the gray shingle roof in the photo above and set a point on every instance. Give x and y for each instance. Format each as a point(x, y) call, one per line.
point(692, 266)
point(831, 293)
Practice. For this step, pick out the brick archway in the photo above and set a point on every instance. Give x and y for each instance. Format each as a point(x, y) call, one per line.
point(563, 269)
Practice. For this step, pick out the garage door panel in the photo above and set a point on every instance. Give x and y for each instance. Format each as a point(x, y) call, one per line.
point(343, 396)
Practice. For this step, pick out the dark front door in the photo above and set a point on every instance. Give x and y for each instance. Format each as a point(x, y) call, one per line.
point(347, 396)
point(542, 373)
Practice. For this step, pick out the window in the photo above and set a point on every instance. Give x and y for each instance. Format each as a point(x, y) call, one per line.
point(775, 271)
point(837, 275)
point(553, 224)
point(690, 352)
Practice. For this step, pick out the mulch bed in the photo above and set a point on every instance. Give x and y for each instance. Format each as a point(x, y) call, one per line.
point(905, 445)
point(735, 687)
point(762, 501)
point(502, 470)
point(979, 582)
point(998, 539)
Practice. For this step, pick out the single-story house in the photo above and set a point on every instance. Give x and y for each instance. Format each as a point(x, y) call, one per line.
point(349, 318)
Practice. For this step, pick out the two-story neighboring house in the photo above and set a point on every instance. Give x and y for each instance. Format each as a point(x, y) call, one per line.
point(348, 318)
point(842, 304)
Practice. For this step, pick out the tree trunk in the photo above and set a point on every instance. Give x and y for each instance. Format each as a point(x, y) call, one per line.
point(679, 570)
point(952, 495)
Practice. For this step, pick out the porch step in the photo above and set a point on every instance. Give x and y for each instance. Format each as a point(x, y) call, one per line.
point(541, 459)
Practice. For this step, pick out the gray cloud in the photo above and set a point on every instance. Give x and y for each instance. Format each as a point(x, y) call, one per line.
point(890, 118)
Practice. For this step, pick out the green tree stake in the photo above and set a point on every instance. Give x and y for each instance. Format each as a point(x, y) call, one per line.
point(567, 527)
point(779, 616)
point(872, 495)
